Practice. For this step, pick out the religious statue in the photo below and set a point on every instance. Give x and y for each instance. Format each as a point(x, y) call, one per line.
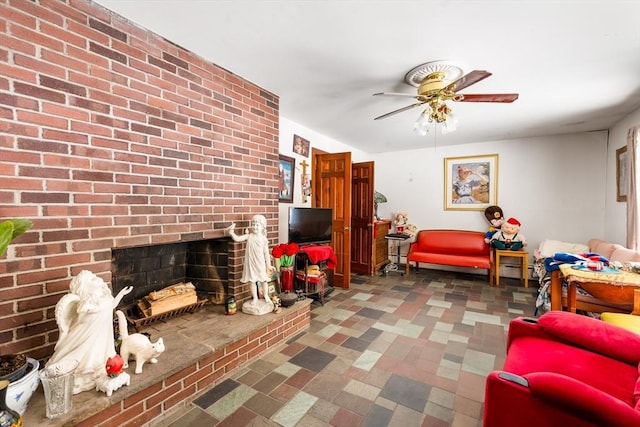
point(257, 268)
point(85, 320)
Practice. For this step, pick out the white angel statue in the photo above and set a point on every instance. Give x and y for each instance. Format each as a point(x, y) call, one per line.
point(85, 320)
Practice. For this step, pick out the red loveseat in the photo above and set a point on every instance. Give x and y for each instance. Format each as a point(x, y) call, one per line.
point(564, 369)
point(459, 248)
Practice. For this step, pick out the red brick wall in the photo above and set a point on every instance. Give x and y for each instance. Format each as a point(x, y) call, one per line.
point(111, 136)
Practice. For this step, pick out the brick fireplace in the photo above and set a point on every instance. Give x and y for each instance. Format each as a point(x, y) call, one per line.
point(112, 139)
point(204, 263)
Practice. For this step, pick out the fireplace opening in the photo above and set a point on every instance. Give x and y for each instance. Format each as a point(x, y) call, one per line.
point(204, 263)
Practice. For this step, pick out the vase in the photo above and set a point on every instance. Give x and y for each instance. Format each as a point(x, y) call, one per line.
point(8, 417)
point(57, 383)
point(286, 278)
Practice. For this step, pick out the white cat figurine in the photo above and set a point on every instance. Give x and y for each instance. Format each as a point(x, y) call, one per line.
point(137, 345)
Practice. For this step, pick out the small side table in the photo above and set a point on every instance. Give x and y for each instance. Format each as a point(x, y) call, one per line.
point(324, 258)
point(393, 266)
point(524, 260)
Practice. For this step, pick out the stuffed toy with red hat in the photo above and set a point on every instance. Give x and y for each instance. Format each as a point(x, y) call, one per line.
point(509, 236)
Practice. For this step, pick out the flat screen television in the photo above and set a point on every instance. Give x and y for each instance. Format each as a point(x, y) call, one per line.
point(310, 225)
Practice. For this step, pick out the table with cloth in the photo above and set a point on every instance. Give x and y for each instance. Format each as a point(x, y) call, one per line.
point(311, 264)
point(610, 285)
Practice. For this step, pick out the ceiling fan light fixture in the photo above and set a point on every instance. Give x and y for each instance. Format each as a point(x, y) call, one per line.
point(439, 82)
point(436, 112)
point(441, 111)
point(451, 124)
point(421, 126)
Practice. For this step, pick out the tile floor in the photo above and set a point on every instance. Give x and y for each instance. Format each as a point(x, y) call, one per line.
point(390, 351)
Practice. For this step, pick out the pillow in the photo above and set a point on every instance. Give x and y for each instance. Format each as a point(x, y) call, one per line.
point(549, 248)
point(627, 321)
point(625, 255)
point(605, 249)
point(592, 334)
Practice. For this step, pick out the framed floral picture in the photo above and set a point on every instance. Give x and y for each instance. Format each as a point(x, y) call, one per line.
point(470, 183)
point(621, 174)
point(286, 173)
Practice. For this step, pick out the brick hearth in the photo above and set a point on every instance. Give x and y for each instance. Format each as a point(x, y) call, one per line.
point(202, 349)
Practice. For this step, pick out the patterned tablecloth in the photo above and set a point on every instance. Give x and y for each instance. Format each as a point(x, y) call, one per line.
point(620, 277)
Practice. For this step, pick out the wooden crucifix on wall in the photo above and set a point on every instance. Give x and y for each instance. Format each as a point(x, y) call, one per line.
point(305, 181)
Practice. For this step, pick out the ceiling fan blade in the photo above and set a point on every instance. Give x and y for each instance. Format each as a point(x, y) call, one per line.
point(489, 97)
point(467, 80)
point(410, 95)
point(408, 107)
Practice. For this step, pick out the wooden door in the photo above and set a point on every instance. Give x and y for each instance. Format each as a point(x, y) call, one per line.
point(332, 189)
point(362, 229)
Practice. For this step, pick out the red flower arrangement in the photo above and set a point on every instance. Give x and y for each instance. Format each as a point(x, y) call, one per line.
point(286, 252)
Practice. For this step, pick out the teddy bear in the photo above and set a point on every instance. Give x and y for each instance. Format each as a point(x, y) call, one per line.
point(509, 236)
point(496, 218)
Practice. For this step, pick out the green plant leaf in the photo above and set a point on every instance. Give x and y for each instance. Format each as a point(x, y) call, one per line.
point(20, 225)
point(6, 234)
point(10, 229)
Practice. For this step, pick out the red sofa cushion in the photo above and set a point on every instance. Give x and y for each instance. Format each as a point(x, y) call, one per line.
point(596, 335)
point(534, 354)
point(454, 260)
point(454, 242)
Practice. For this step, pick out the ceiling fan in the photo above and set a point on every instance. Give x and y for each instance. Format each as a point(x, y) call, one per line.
point(438, 82)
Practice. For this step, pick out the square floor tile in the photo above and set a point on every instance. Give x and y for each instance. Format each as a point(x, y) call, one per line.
point(300, 378)
point(370, 313)
point(312, 359)
point(263, 405)
point(407, 392)
point(378, 417)
point(356, 344)
point(370, 334)
point(270, 382)
point(213, 395)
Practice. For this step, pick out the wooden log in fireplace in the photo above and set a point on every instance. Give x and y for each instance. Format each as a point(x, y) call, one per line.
point(163, 304)
point(168, 299)
point(137, 319)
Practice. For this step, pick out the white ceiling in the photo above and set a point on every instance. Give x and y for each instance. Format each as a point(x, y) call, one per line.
point(575, 63)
